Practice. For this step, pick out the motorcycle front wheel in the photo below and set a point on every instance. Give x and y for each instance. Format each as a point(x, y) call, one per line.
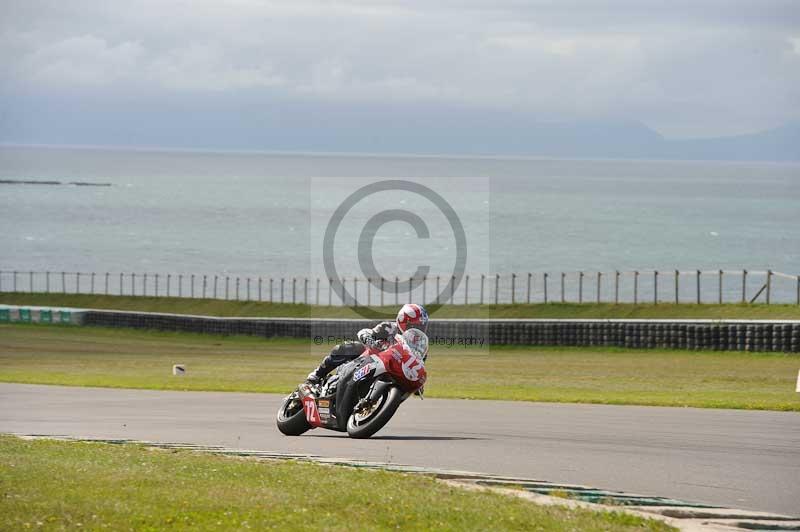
point(365, 422)
point(291, 417)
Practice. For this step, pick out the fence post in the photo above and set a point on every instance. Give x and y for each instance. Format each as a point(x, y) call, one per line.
point(452, 290)
point(528, 297)
point(106, 283)
point(64, 282)
point(424, 289)
point(317, 298)
point(237, 288)
point(205, 285)
point(294, 290)
point(282, 285)
point(133, 283)
point(677, 292)
point(343, 290)
point(798, 289)
point(382, 281)
point(305, 290)
point(563, 275)
point(330, 291)
point(30, 282)
point(698, 287)
point(156, 285)
point(545, 286)
point(616, 287)
point(496, 288)
point(215, 286)
point(14, 282)
point(466, 290)
point(397, 289)
point(180, 286)
point(248, 290)
point(744, 286)
point(635, 287)
point(369, 292)
point(355, 291)
point(513, 287)
point(120, 283)
point(191, 287)
point(144, 290)
point(437, 289)
point(720, 287)
point(47, 282)
point(227, 287)
point(769, 285)
point(169, 282)
point(655, 287)
point(78, 282)
point(580, 287)
point(483, 278)
point(410, 288)
point(599, 276)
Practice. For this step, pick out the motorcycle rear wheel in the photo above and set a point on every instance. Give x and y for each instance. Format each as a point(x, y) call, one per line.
point(292, 418)
point(363, 427)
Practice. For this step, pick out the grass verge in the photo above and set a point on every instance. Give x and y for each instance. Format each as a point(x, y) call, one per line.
point(213, 307)
point(88, 356)
point(70, 485)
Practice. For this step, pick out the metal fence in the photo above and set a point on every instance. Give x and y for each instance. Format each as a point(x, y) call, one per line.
point(650, 286)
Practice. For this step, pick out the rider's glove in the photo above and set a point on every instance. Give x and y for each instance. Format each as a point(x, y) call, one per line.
point(372, 343)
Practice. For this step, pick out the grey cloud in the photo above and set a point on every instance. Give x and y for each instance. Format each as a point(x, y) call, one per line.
point(683, 67)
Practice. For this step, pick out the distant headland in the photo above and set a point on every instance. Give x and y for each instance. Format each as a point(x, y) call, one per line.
point(34, 182)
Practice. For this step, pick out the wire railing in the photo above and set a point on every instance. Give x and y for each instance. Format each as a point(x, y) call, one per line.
point(634, 286)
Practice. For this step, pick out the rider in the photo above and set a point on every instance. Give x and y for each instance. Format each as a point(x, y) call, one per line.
point(378, 338)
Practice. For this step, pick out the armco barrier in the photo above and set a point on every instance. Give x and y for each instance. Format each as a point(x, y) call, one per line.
point(727, 335)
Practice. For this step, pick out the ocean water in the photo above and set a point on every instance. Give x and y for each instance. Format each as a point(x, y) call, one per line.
point(251, 215)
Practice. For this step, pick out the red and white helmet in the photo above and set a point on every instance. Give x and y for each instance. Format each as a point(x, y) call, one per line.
point(412, 315)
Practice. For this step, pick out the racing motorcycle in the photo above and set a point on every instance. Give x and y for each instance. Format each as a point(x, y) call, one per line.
point(363, 395)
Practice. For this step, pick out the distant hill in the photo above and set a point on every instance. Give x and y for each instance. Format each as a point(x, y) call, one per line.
point(779, 144)
point(363, 127)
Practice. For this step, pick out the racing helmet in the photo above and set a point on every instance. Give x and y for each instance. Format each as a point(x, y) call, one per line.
point(412, 315)
point(417, 342)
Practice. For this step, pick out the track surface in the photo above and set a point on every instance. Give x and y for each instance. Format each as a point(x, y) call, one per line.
point(739, 459)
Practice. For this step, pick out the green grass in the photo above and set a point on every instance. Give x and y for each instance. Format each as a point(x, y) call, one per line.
point(88, 356)
point(77, 485)
point(213, 307)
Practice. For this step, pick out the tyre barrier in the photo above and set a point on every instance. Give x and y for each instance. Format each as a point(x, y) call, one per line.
point(668, 334)
point(721, 335)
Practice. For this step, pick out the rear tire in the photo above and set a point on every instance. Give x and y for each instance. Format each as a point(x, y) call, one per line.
point(292, 420)
point(375, 422)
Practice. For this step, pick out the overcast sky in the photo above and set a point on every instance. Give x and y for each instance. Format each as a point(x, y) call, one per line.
point(684, 68)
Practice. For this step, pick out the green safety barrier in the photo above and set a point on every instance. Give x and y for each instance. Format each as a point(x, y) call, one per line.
point(66, 316)
point(46, 316)
point(25, 315)
point(5, 314)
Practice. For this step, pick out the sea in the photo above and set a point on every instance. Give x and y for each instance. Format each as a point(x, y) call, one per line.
point(309, 216)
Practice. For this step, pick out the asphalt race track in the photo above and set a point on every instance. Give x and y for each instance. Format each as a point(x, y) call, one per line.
point(739, 459)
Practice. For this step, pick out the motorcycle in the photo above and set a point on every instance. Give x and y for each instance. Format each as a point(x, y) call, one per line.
point(363, 395)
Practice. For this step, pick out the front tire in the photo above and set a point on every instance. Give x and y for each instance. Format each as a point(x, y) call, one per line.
point(361, 426)
point(292, 417)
